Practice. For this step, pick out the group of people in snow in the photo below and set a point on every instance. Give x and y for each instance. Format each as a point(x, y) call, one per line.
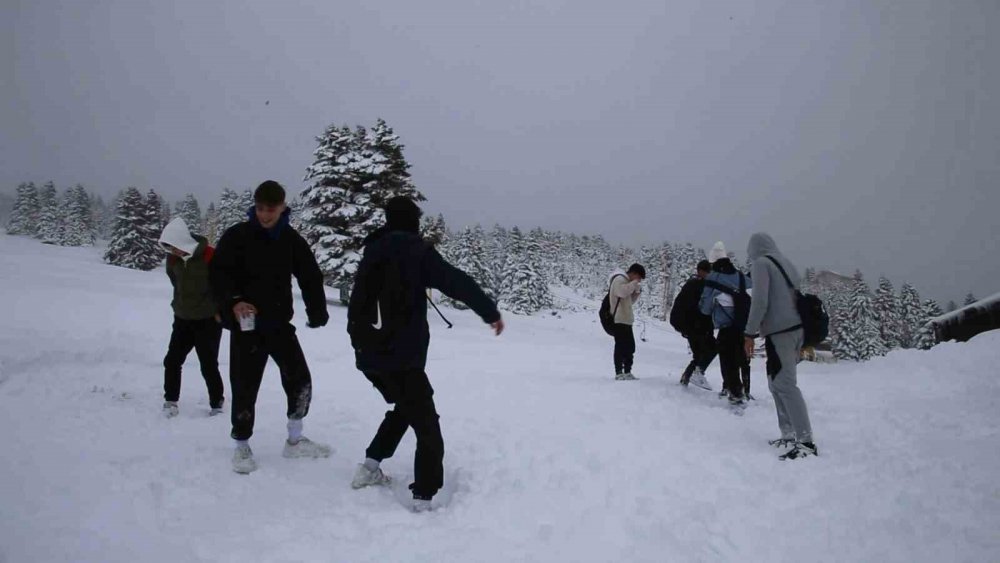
point(721, 311)
point(244, 285)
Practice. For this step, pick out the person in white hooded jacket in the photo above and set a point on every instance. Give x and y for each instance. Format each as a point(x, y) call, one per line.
point(196, 319)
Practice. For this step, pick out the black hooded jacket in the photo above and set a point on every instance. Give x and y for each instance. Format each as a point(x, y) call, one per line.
point(684, 315)
point(387, 315)
point(256, 265)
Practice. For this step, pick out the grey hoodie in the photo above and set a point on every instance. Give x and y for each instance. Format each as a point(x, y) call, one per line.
point(773, 307)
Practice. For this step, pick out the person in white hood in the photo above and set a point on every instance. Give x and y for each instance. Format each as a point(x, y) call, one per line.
point(196, 319)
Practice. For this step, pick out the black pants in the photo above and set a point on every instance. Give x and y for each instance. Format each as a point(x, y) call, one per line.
point(248, 355)
point(702, 352)
point(745, 376)
point(203, 336)
point(624, 348)
point(413, 397)
point(731, 360)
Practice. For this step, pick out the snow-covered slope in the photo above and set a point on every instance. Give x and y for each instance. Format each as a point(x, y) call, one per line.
point(548, 458)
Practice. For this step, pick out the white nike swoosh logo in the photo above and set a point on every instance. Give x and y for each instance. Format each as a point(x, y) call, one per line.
point(378, 317)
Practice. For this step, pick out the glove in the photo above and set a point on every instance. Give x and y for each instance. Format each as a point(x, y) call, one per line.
point(317, 321)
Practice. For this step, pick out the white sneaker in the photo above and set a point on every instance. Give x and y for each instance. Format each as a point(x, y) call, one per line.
point(215, 411)
point(629, 377)
point(365, 477)
point(698, 380)
point(305, 448)
point(170, 409)
point(243, 462)
point(421, 505)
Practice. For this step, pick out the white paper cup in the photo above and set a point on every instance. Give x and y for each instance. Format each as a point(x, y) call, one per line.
point(247, 322)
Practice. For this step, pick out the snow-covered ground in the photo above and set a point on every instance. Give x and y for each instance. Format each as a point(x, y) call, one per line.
point(548, 458)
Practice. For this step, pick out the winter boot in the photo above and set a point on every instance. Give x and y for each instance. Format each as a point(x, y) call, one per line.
point(243, 462)
point(170, 409)
point(365, 477)
point(698, 380)
point(304, 447)
point(801, 450)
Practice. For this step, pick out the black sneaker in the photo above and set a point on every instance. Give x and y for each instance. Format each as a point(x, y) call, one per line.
point(801, 449)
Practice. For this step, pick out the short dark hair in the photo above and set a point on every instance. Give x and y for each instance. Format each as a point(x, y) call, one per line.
point(403, 214)
point(704, 266)
point(269, 193)
point(637, 269)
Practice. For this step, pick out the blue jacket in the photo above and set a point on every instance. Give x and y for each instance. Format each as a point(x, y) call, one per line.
point(726, 274)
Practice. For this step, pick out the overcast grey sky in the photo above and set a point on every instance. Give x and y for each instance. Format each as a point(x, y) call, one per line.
point(860, 134)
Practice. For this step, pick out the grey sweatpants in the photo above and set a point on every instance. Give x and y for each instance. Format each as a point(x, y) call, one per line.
point(793, 417)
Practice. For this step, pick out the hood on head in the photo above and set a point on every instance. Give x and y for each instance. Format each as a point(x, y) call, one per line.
point(176, 234)
point(718, 251)
point(761, 244)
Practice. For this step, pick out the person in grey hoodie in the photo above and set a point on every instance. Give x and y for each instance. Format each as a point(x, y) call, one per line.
point(774, 315)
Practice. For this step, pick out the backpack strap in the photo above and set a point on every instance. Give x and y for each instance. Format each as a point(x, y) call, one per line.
point(782, 270)
point(619, 302)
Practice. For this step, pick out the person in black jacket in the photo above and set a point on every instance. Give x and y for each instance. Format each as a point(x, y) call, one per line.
point(251, 276)
point(387, 322)
point(695, 327)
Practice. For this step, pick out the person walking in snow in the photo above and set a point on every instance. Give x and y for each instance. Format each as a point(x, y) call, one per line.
point(251, 276)
point(774, 315)
point(387, 323)
point(725, 299)
point(624, 291)
point(696, 327)
point(196, 319)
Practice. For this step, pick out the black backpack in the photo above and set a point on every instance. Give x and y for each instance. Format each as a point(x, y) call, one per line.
point(741, 300)
point(386, 298)
point(815, 320)
point(605, 313)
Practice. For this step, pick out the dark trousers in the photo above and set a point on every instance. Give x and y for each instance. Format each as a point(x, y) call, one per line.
point(248, 355)
point(203, 336)
point(745, 376)
point(624, 348)
point(413, 397)
point(731, 360)
point(702, 352)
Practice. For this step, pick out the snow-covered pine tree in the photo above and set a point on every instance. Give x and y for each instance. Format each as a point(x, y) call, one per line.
point(969, 299)
point(338, 210)
point(189, 210)
point(231, 211)
point(389, 169)
point(865, 341)
point(523, 289)
point(130, 245)
point(911, 314)
point(154, 207)
point(926, 336)
point(469, 255)
point(841, 337)
point(497, 248)
point(887, 313)
point(24, 216)
point(78, 220)
point(165, 214)
point(50, 216)
point(211, 223)
point(433, 230)
point(952, 306)
point(153, 222)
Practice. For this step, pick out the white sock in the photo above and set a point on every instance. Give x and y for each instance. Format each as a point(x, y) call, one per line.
point(294, 430)
point(371, 464)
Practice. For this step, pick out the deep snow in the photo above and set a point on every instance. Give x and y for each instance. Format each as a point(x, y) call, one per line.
point(549, 459)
